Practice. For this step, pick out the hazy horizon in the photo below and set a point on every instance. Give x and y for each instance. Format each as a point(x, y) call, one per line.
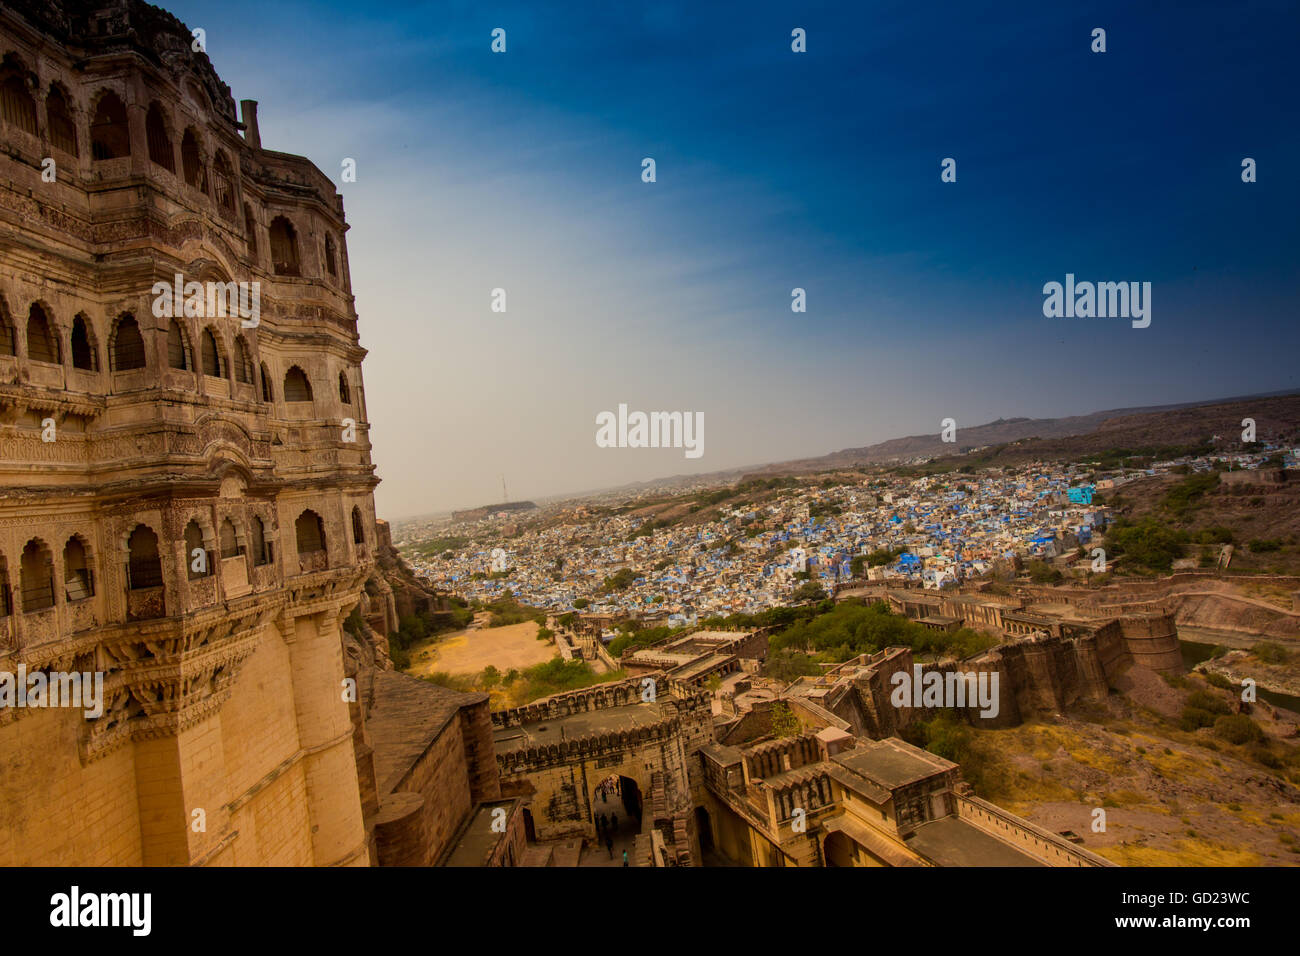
point(776, 170)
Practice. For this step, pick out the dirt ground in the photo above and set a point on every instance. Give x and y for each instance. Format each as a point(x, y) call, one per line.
point(1170, 798)
point(471, 650)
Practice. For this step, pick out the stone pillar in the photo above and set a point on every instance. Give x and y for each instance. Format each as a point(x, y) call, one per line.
point(163, 824)
point(176, 776)
point(325, 733)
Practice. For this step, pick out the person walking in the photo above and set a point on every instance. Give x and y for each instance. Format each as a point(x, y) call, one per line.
point(609, 845)
point(625, 857)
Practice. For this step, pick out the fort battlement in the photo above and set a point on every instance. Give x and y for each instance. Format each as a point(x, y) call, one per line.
point(616, 694)
point(778, 756)
point(589, 747)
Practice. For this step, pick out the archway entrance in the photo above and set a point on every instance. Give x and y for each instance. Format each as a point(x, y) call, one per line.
point(702, 824)
point(838, 850)
point(616, 813)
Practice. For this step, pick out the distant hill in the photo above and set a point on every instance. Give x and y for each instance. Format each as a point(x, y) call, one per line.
point(1152, 426)
point(474, 514)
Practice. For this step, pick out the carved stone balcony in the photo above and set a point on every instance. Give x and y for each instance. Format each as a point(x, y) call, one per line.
point(234, 576)
point(144, 604)
point(313, 561)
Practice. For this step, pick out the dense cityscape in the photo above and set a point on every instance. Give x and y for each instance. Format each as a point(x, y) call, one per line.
point(930, 531)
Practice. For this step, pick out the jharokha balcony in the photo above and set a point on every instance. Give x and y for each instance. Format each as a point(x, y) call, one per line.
point(313, 561)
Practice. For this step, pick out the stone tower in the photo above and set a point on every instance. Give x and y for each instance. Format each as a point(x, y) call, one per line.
point(185, 501)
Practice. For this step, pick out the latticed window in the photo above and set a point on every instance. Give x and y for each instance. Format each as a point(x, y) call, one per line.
point(143, 566)
point(243, 368)
point(7, 338)
point(310, 532)
point(211, 355)
point(284, 247)
point(296, 386)
point(330, 263)
point(192, 162)
point(37, 577)
point(178, 348)
point(229, 540)
point(78, 581)
point(63, 129)
point(161, 151)
point(42, 343)
point(6, 604)
point(110, 136)
point(223, 184)
point(128, 345)
point(17, 105)
point(83, 347)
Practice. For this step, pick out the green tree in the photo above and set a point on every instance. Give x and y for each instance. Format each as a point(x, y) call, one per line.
point(809, 591)
point(784, 721)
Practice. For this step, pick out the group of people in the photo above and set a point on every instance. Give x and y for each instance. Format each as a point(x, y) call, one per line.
point(607, 825)
point(614, 785)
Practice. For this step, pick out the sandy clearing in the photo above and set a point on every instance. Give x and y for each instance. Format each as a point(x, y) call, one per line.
point(470, 650)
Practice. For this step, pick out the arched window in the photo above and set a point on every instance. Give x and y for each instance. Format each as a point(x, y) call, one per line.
point(143, 566)
point(211, 355)
point(267, 395)
point(42, 342)
point(330, 265)
point(6, 605)
point(296, 386)
point(243, 364)
point(7, 337)
point(284, 247)
point(229, 540)
point(192, 162)
point(36, 572)
point(63, 128)
point(161, 151)
point(110, 137)
point(223, 183)
point(250, 229)
point(17, 105)
point(83, 345)
point(78, 579)
point(358, 529)
point(310, 532)
point(128, 345)
point(261, 547)
point(196, 566)
point(345, 393)
point(178, 348)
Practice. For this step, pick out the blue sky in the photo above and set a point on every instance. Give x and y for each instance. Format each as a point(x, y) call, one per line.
point(818, 170)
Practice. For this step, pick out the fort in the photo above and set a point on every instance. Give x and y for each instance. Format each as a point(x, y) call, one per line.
point(228, 735)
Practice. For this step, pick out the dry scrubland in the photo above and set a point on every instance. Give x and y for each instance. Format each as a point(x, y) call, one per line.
point(1172, 797)
point(467, 652)
point(513, 664)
